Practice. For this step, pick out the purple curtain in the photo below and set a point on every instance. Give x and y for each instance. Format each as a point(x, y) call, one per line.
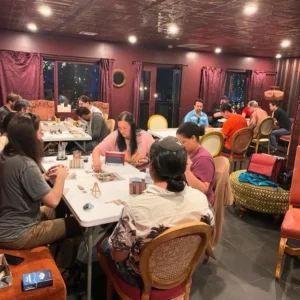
point(212, 86)
point(106, 80)
point(135, 103)
point(255, 86)
point(21, 73)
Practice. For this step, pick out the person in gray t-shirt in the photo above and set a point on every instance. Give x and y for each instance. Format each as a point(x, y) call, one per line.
point(24, 223)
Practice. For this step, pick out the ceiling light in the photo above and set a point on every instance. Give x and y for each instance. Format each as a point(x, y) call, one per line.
point(45, 10)
point(173, 29)
point(170, 46)
point(31, 27)
point(218, 50)
point(278, 56)
point(88, 33)
point(132, 39)
point(250, 9)
point(285, 43)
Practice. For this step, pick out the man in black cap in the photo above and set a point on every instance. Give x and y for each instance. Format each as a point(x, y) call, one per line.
point(217, 114)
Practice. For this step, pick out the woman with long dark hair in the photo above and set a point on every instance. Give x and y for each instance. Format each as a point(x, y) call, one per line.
point(127, 138)
point(24, 223)
point(166, 203)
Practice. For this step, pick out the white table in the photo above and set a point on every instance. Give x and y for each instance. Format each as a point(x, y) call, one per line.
point(161, 133)
point(66, 134)
point(103, 211)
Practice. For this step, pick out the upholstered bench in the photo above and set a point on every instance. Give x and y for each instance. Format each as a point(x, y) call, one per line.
point(259, 198)
point(36, 259)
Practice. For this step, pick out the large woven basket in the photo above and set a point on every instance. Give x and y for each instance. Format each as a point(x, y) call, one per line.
point(261, 199)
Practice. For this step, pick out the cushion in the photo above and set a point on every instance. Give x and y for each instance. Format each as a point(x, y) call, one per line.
point(290, 227)
point(286, 137)
point(135, 293)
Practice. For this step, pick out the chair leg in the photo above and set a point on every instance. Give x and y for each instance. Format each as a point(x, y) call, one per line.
point(281, 249)
point(187, 291)
point(268, 147)
point(109, 290)
point(256, 147)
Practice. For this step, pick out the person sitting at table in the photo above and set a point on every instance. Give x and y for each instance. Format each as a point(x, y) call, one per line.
point(282, 120)
point(3, 137)
point(127, 138)
point(233, 123)
point(200, 171)
point(197, 116)
point(257, 116)
point(22, 106)
point(166, 203)
point(85, 101)
point(24, 222)
point(96, 126)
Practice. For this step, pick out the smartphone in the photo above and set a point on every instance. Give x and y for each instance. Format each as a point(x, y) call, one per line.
point(13, 260)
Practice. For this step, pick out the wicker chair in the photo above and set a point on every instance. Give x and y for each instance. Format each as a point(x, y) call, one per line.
point(104, 107)
point(111, 125)
point(166, 264)
point(45, 109)
point(263, 136)
point(239, 145)
point(213, 142)
point(156, 122)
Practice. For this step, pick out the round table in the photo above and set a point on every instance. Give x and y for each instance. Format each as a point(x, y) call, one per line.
point(259, 198)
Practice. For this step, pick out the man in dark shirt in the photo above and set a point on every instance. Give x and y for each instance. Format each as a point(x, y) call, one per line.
point(282, 120)
point(217, 114)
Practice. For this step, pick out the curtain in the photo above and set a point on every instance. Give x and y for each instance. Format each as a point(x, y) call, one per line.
point(135, 103)
point(255, 85)
point(288, 79)
point(106, 80)
point(212, 86)
point(21, 73)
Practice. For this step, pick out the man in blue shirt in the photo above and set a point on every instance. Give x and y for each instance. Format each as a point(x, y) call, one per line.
point(197, 116)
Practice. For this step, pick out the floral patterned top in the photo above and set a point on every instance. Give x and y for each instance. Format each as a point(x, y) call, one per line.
point(146, 216)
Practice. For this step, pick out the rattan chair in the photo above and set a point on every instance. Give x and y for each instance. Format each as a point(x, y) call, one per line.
point(263, 136)
point(166, 264)
point(156, 122)
point(239, 145)
point(213, 142)
point(111, 125)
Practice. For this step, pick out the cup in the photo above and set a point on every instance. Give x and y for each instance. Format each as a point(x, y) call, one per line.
point(85, 159)
point(76, 154)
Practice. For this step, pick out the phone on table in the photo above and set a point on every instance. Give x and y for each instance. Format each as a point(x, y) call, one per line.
point(13, 260)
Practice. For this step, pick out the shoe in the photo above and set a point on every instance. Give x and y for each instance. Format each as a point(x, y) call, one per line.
point(274, 151)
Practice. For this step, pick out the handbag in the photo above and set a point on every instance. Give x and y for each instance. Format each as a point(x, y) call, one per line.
point(267, 165)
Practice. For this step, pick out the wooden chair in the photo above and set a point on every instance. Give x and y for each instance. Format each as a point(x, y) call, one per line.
point(103, 106)
point(213, 142)
point(239, 145)
point(111, 125)
point(263, 136)
point(166, 264)
point(290, 227)
point(45, 109)
point(287, 137)
point(156, 122)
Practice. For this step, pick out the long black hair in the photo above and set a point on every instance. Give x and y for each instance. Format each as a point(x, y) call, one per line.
point(127, 117)
point(189, 129)
point(168, 160)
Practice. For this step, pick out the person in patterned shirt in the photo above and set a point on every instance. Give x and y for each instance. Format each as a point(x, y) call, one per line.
point(166, 203)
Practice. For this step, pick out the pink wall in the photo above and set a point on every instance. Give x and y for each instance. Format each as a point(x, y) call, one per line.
point(125, 54)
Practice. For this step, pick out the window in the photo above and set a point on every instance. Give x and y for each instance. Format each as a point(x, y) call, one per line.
point(145, 86)
point(48, 68)
point(235, 88)
point(164, 84)
point(74, 80)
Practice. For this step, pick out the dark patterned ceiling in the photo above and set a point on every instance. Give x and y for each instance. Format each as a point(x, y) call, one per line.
point(203, 24)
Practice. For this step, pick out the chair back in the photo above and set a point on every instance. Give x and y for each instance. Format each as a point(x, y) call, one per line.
point(45, 109)
point(111, 125)
point(294, 191)
point(265, 127)
point(103, 106)
point(241, 140)
point(213, 142)
point(170, 259)
point(156, 122)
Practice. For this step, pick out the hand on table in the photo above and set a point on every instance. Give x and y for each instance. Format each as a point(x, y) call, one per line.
point(62, 172)
point(50, 173)
point(96, 166)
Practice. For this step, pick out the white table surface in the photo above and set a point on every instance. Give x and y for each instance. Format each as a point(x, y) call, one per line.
point(161, 133)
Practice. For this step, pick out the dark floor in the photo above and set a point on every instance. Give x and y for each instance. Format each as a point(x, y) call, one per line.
point(245, 265)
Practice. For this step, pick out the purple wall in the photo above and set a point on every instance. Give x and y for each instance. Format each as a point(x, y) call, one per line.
point(125, 54)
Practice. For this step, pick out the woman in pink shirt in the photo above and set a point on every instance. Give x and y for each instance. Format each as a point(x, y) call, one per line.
point(200, 170)
point(127, 138)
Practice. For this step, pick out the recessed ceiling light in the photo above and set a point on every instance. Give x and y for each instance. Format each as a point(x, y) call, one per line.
point(88, 33)
point(31, 27)
point(45, 10)
point(250, 9)
point(173, 29)
point(278, 56)
point(285, 43)
point(170, 46)
point(218, 50)
point(132, 39)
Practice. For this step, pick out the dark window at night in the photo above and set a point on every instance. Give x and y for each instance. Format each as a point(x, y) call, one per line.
point(164, 84)
point(145, 86)
point(75, 80)
point(48, 68)
point(235, 88)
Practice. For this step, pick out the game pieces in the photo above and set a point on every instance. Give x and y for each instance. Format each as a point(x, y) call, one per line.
point(96, 190)
point(107, 177)
point(136, 186)
point(76, 164)
point(81, 189)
